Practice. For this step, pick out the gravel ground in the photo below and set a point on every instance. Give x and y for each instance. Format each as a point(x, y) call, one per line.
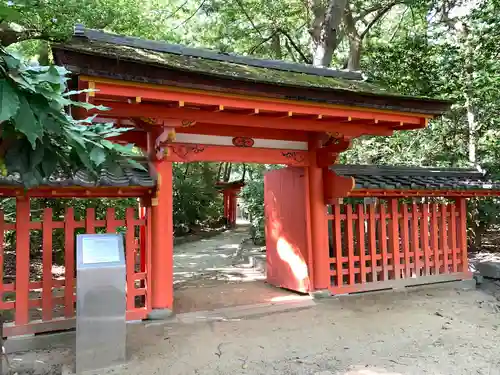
point(432, 331)
point(208, 259)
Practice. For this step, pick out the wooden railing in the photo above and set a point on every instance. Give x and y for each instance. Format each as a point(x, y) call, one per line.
point(391, 244)
point(37, 304)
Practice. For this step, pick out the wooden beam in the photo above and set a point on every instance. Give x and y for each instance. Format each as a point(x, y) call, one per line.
point(165, 93)
point(244, 131)
point(184, 152)
point(157, 111)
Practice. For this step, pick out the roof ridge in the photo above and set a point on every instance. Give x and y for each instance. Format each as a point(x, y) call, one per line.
point(178, 49)
point(391, 170)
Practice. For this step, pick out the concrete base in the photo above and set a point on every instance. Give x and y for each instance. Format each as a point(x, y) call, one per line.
point(160, 314)
point(320, 294)
point(489, 269)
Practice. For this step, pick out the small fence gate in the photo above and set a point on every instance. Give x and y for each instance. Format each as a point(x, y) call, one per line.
point(34, 300)
point(390, 245)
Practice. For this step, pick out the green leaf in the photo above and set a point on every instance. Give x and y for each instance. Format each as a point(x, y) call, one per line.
point(97, 155)
point(9, 101)
point(27, 123)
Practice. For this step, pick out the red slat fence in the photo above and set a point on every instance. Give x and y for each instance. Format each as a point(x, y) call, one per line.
point(391, 245)
point(49, 304)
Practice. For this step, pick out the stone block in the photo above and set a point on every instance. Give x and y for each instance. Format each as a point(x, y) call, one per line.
point(489, 269)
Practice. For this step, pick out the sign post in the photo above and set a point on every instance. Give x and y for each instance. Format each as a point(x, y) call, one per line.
point(101, 302)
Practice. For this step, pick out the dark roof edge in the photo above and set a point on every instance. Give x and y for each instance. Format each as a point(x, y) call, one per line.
point(97, 35)
point(382, 170)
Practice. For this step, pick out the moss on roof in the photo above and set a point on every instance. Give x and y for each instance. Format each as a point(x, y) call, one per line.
point(221, 68)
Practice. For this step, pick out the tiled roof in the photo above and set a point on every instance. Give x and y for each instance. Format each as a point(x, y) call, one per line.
point(129, 177)
point(410, 178)
point(229, 66)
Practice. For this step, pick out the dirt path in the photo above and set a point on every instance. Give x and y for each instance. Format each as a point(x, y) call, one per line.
point(208, 259)
point(434, 331)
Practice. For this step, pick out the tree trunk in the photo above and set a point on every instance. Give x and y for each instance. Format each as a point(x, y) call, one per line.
point(276, 46)
point(355, 48)
point(325, 29)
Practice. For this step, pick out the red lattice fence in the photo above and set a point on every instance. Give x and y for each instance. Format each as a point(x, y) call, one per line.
point(396, 245)
point(49, 304)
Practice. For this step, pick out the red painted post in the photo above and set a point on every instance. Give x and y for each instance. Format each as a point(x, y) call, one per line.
point(142, 237)
point(372, 240)
point(434, 238)
point(405, 239)
point(162, 241)
point(130, 257)
point(383, 241)
point(361, 242)
point(47, 265)
point(453, 237)
point(319, 222)
point(69, 261)
point(415, 239)
point(338, 244)
point(394, 238)
point(350, 243)
point(424, 233)
point(462, 211)
point(22, 260)
point(443, 238)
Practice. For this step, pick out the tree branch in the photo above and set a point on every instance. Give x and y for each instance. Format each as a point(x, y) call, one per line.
point(240, 4)
point(252, 50)
point(192, 15)
point(377, 17)
point(295, 46)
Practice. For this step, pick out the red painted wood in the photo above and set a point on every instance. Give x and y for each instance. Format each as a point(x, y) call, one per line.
point(286, 236)
point(443, 238)
point(244, 131)
point(453, 237)
point(394, 238)
point(338, 244)
point(185, 152)
point(424, 232)
point(162, 237)
point(462, 211)
point(382, 193)
point(207, 98)
point(434, 237)
point(47, 265)
point(2, 237)
point(22, 260)
point(111, 222)
point(129, 256)
point(405, 239)
point(361, 241)
point(69, 260)
point(415, 239)
point(90, 221)
point(148, 257)
point(350, 243)
point(383, 241)
point(372, 240)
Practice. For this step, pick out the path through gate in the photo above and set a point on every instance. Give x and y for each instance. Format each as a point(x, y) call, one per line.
point(35, 298)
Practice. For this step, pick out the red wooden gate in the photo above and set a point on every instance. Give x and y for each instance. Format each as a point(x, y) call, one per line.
point(47, 304)
point(395, 245)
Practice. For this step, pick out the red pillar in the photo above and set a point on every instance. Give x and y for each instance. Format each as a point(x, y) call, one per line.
point(318, 221)
point(225, 192)
point(162, 286)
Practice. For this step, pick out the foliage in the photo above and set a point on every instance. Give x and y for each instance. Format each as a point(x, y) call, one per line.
point(37, 135)
point(253, 198)
point(196, 200)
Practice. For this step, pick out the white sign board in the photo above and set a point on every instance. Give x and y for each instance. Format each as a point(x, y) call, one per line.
point(100, 250)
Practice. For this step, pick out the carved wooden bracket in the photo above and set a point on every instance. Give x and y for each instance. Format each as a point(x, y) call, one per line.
point(167, 136)
point(336, 187)
point(331, 150)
